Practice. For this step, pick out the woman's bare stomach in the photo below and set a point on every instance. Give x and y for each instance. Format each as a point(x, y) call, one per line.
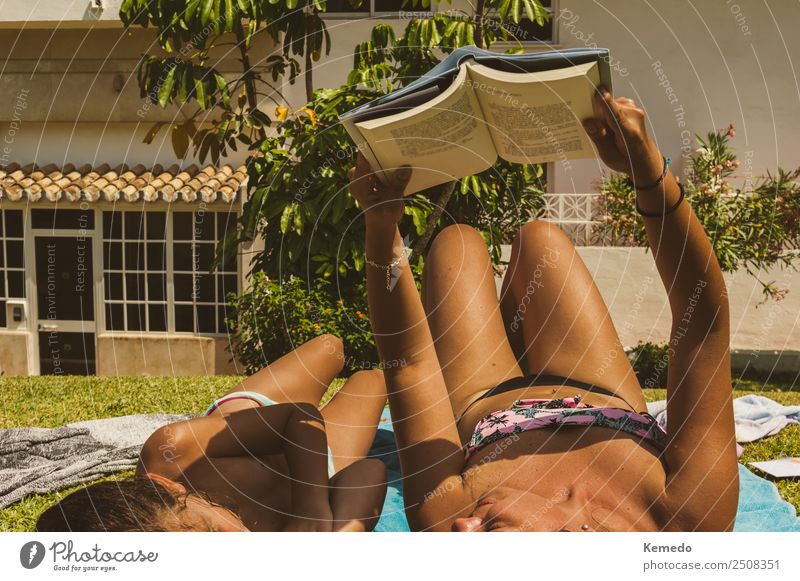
point(613, 470)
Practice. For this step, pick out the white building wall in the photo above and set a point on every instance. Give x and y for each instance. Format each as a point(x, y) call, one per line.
point(62, 13)
point(724, 62)
point(629, 282)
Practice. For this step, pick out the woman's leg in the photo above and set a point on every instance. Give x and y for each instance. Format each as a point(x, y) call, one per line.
point(357, 495)
point(556, 318)
point(460, 298)
point(300, 376)
point(351, 419)
point(352, 416)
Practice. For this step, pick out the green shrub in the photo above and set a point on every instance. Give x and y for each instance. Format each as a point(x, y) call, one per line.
point(752, 228)
point(649, 361)
point(273, 318)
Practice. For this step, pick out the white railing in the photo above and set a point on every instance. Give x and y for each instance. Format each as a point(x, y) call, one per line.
point(575, 213)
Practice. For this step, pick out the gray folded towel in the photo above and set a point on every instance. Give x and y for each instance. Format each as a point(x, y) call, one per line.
point(43, 460)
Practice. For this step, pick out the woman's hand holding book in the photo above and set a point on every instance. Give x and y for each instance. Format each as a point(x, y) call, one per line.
point(619, 131)
point(380, 202)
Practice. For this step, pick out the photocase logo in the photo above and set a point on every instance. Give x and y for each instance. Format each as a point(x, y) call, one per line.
point(31, 554)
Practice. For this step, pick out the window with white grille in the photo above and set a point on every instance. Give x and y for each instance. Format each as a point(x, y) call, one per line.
point(158, 271)
point(12, 259)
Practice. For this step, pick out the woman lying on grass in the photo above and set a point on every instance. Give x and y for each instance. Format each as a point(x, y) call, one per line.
point(262, 458)
point(482, 377)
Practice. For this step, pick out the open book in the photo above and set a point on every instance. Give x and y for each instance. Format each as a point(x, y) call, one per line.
point(477, 105)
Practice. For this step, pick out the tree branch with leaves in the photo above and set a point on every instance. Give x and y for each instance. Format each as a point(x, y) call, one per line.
point(217, 111)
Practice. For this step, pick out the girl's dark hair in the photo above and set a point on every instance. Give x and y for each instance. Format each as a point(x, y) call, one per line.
point(133, 504)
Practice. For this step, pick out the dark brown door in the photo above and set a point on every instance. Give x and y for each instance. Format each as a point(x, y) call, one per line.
point(65, 300)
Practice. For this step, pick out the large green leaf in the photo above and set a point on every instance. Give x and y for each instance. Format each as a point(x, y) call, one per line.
point(207, 12)
point(152, 132)
point(200, 92)
point(165, 91)
point(180, 141)
point(229, 14)
point(185, 83)
point(222, 87)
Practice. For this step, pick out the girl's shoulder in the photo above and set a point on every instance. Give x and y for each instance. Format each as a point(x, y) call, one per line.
point(166, 450)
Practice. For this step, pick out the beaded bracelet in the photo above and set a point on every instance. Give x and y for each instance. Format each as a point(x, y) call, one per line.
point(388, 268)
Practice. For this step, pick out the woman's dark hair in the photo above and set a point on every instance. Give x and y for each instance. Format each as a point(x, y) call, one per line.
point(133, 504)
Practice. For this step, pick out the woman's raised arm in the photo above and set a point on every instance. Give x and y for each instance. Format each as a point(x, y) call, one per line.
point(427, 438)
point(702, 485)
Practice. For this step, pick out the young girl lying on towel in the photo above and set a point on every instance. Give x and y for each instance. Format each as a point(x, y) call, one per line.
point(262, 458)
point(524, 414)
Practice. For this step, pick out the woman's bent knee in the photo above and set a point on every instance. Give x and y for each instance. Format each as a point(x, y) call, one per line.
point(457, 239)
point(332, 345)
point(540, 234)
point(458, 234)
point(373, 377)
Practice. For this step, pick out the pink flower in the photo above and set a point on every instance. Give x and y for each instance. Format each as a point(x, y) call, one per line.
point(780, 294)
point(731, 131)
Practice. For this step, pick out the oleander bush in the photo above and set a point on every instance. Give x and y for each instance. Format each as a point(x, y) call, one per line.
point(754, 227)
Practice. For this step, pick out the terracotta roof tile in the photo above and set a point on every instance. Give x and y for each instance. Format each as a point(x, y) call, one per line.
point(52, 182)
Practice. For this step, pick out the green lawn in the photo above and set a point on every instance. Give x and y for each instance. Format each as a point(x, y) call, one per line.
point(54, 401)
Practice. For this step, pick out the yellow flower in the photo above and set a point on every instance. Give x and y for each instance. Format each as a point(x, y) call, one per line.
point(281, 113)
point(311, 115)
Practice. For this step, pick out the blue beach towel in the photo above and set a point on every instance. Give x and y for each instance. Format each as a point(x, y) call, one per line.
point(761, 509)
point(393, 516)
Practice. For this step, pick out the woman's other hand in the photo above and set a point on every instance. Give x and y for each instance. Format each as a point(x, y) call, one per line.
point(619, 131)
point(376, 199)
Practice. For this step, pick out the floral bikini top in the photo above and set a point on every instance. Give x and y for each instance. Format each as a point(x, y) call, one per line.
point(533, 414)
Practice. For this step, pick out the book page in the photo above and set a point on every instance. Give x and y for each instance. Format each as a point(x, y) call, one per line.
point(536, 117)
point(362, 145)
point(442, 140)
point(780, 467)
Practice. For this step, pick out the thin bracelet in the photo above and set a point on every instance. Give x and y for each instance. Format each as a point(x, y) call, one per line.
point(657, 183)
point(387, 268)
point(665, 212)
